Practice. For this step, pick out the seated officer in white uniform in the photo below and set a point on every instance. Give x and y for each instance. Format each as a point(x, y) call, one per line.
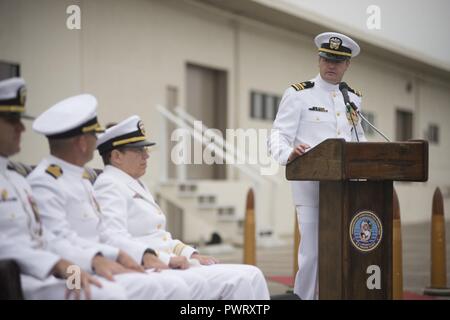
point(309, 113)
point(22, 237)
point(66, 199)
point(130, 212)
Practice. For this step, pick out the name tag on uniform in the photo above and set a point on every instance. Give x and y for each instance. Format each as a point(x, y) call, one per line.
point(4, 196)
point(319, 109)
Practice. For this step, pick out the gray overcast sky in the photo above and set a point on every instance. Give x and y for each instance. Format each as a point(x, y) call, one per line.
point(422, 26)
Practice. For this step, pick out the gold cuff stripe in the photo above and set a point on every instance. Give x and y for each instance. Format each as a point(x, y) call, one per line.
point(179, 248)
point(12, 108)
point(124, 141)
point(336, 52)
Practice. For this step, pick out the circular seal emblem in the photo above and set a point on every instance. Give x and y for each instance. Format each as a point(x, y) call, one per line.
point(141, 127)
point(366, 231)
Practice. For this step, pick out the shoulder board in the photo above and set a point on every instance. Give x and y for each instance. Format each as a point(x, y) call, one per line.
point(91, 174)
point(358, 93)
point(20, 168)
point(54, 170)
point(302, 85)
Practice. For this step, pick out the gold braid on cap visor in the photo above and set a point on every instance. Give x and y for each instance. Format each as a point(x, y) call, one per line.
point(12, 108)
point(338, 53)
point(129, 140)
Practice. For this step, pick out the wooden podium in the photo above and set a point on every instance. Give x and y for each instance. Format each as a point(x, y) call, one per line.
point(355, 210)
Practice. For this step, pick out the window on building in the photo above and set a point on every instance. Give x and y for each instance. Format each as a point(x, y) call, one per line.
point(8, 70)
point(263, 106)
point(404, 125)
point(432, 133)
point(371, 117)
point(256, 105)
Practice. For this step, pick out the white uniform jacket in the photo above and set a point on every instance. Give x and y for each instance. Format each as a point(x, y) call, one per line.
point(129, 211)
point(22, 236)
point(310, 116)
point(67, 205)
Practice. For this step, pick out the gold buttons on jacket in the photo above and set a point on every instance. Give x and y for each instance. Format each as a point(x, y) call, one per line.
point(333, 94)
point(159, 226)
point(339, 132)
point(165, 238)
point(338, 114)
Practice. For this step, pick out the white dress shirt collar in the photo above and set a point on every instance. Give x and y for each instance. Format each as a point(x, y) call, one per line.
point(318, 81)
point(3, 164)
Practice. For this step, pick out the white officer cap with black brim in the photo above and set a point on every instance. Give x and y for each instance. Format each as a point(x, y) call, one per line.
point(128, 133)
point(336, 46)
point(13, 94)
point(69, 118)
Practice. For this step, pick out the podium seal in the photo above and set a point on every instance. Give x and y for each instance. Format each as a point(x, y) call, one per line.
point(366, 231)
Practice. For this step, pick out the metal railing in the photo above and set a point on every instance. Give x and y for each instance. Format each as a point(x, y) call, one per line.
point(231, 154)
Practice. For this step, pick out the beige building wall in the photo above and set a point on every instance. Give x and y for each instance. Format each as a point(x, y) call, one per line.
point(128, 52)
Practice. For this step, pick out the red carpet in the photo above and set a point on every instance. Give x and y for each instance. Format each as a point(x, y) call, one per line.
point(407, 295)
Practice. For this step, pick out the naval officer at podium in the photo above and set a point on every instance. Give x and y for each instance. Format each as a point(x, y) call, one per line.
point(309, 113)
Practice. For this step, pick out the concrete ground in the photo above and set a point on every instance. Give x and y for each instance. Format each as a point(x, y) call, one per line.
point(278, 261)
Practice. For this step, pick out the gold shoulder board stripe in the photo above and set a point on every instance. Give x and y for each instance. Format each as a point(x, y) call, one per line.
point(357, 92)
point(302, 85)
point(54, 170)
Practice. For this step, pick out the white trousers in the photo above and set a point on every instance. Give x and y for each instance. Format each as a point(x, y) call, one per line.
point(226, 281)
point(306, 281)
point(131, 286)
point(52, 288)
point(152, 286)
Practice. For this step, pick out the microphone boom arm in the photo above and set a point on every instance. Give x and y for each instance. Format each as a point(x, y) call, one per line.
point(368, 122)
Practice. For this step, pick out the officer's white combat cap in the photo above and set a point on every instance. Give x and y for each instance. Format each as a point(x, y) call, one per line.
point(12, 98)
point(336, 46)
point(129, 133)
point(69, 118)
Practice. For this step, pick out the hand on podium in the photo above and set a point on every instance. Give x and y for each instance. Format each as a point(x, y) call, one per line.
point(298, 151)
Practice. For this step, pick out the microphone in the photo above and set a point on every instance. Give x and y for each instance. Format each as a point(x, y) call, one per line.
point(343, 87)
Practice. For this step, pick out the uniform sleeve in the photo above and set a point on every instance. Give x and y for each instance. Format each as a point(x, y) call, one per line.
point(33, 262)
point(285, 127)
point(51, 203)
point(113, 220)
point(62, 247)
point(181, 249)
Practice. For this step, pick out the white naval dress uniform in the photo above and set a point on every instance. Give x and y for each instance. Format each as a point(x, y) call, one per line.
point(23, 239)
point(310, 116)
point(69, 210)
point(130, 212)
